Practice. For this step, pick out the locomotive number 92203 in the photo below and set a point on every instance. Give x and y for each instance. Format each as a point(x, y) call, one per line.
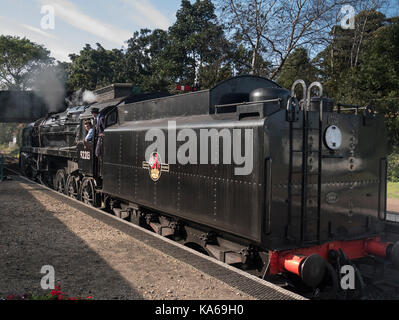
point(85, 155)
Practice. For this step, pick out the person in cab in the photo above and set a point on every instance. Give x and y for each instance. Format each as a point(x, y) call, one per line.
point(90, 131)
point(100, 126)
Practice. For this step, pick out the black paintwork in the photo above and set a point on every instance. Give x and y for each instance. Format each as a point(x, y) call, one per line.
point(287, 201)
point(263, 206)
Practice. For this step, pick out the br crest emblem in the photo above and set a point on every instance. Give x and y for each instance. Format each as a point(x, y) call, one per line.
point(155, 166)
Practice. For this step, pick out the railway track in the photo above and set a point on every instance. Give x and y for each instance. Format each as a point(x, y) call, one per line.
point(392, 231)
point(11, 163)
point(377, 283)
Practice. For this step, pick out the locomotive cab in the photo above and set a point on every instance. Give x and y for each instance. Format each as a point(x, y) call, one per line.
point(89, 163)
point(85, 149)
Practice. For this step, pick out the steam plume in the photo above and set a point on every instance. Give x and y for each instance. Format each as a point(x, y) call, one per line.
point(49, 84)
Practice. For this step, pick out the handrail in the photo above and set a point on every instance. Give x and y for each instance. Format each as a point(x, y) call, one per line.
point(290, 101)
point(314, 84)
point(246, 103)
point(319, 85)
point(301, 82)
point(349, 107)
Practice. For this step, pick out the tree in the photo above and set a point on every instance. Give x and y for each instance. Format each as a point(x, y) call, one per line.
point(248, 22)
point(297, 66)
point(20, 61)
point(94, 68)
point(274, 29)
point(145, 60)
point(378, 77)
point(339, 63)
point(197, 45)
point(365, 72)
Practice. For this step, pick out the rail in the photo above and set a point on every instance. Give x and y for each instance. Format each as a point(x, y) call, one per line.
point(1, 167)
point(348, 107)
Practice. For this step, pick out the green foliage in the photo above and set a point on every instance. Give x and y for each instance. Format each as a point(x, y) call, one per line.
point(194, 48)
point(341, 59)
point(361, 67)
point(393, 166)
point(20, 61)
point(6, 132)
point(376, 81)
point(55, 294)
point(145, 60)
point(94, 68)
point(198, 45)
point(297, 66)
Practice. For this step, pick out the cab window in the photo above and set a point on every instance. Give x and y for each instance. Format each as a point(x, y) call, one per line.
point(82, 130)
point(111, 118)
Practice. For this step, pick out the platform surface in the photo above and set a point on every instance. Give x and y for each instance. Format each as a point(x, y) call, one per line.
point(96, 254)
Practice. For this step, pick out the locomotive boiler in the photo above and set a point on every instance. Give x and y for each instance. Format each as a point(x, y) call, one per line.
point(243, 172)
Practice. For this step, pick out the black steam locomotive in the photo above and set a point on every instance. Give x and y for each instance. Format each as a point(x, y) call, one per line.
point(243, 172)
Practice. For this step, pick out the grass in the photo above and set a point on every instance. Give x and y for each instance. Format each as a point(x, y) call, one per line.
point(393, 190)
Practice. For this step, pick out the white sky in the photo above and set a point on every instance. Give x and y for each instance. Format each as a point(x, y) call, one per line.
point(77, 22)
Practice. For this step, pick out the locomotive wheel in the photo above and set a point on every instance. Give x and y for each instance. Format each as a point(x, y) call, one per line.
point(28, 172)
point(88, 193)
point(72, 187)
point(60, 181)
point(46, 179)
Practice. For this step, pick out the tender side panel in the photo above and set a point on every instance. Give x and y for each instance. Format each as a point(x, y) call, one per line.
point(351, 183)
point(211, 194)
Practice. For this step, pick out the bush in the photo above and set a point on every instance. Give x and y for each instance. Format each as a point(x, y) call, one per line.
point(55, 294)
point(393, 166)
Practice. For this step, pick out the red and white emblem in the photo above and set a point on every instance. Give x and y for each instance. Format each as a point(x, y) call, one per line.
point(155, 165)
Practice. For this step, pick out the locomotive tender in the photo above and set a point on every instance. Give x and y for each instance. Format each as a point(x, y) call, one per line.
point(315, 197)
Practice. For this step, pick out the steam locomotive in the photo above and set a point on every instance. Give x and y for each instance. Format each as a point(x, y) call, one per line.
point(308, 196)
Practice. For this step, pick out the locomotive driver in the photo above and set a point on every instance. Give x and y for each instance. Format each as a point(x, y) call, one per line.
point(90, 131)
point(99, 125)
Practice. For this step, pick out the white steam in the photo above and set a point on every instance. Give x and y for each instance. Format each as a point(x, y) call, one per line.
point(49, 84)
point(89, 96)
point(81, 97)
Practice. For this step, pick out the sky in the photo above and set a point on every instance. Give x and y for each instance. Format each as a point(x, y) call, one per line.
point(77, 22)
